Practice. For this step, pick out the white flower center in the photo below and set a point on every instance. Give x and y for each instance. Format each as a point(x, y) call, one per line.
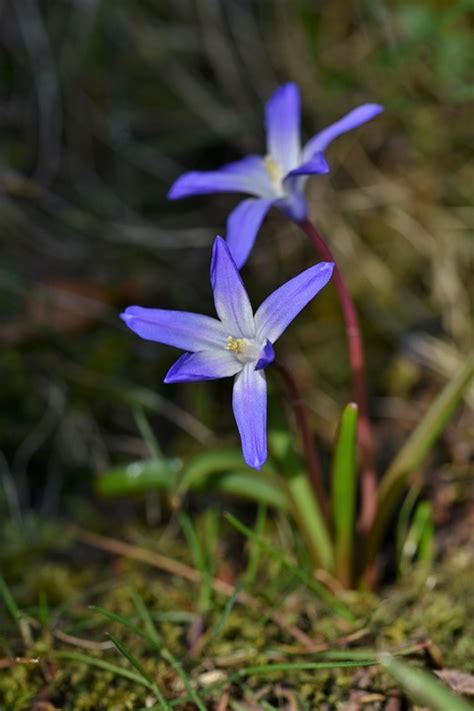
point(246, 350)
point(275, 172)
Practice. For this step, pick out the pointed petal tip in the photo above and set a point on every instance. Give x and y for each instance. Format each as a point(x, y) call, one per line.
point(173, 374)
point(325, 270)
point(267, 356)
point(127, 315)
point(285, 88)
point(327, 266)
point(317, 165)
point(377, 108)
point(219, 248)
point(176, 191)
point(255, 462)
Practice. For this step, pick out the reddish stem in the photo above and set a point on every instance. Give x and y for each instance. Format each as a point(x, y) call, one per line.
point(359, 385)
point(300, 411)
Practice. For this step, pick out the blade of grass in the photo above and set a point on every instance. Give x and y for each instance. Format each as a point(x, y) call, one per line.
point(147, 433)
point(151, 635)
point(146, 618)
point(21, 620)
point(331, 659)
point(421, 534)
point(193, 695)
point(303, 504)
point(415, 449)
point(254, 552)
point(9, 601)
point(403, 524)
point(143, 673)
point(309, 519)
point(200, 561)
point(114, 617)
point(106, 666)
point(302, 666)
point(227, 610)
point(298, 572)
point(423, 687)
point(208, 525)
point(237, 676)
point(344, 493)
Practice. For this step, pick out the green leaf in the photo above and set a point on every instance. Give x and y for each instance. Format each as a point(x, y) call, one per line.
point(199, 469)
point(421, 534)
point(302, 503)
point(344, 493)
point(138, 477)
point(415, 449)
point(422, 686)
point(251, 485)
point(204, 471)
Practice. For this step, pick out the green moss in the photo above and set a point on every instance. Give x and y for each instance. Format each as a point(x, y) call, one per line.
point(436, 607)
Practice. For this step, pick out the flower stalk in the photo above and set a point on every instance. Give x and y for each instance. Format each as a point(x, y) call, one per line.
point(355, 348)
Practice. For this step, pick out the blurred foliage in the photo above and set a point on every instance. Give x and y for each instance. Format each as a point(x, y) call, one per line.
point(102, 105)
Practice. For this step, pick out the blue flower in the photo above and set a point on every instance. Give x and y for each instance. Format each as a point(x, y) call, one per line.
point(277, 178)
point(237, 343)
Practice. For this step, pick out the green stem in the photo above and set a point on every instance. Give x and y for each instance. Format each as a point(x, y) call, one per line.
point(355, 349)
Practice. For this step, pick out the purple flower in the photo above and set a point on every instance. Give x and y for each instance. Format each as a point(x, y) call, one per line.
point(277, 178)
point(238, 343)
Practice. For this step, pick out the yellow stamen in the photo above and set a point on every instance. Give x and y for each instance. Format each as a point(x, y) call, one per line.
point(274, 170)
point(236, 345)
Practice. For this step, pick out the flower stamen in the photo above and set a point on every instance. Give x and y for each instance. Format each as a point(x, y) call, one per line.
point(274, 170)
point(236, 345)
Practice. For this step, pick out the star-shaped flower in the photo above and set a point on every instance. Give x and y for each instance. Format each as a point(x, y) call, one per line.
point(238, 343)
point(275, 179)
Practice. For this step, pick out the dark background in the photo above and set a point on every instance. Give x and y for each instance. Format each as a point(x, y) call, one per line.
point(104, 104)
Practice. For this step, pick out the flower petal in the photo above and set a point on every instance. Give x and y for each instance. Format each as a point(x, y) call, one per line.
point(247, 175)
point(354, 118)
point(242, 227)
point(294, 205)
point(191, 332)
point(280, 308)
point(249, 402)
point(205, 365)
point(230, 297)
point(282, 121)
point(316, 165)
point(267, 356)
